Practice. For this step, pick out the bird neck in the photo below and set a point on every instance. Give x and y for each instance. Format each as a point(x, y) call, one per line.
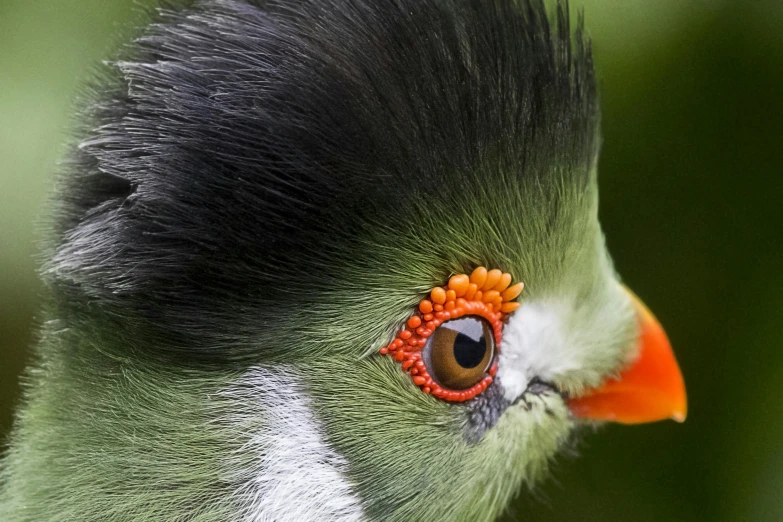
point(121, 438)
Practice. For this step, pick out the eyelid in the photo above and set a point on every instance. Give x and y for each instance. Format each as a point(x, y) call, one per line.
point(485, 294)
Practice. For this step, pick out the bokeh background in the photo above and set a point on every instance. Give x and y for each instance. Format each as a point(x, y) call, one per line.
point(692, 206)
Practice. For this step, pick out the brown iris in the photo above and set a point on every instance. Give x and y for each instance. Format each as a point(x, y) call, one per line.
point(459, 352)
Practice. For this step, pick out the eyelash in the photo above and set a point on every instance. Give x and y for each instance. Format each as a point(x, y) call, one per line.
point(485, 294)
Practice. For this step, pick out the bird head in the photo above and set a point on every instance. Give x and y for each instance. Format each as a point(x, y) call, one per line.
point(334, 259)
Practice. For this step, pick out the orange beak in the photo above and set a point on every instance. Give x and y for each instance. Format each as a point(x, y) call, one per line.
point(650, 388)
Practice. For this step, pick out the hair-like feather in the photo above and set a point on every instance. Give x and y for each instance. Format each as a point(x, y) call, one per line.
point(244, 158)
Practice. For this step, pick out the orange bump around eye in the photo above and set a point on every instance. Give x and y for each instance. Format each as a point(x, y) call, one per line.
point(507, 308)
point(509, 294)
point(490, 296)
point(485, 295)
point(460, 284)
point(438, 295)
point(478, 276)
point(493, 278)
point(505, 280)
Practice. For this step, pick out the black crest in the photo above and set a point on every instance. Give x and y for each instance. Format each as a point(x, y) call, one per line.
point(237, 151)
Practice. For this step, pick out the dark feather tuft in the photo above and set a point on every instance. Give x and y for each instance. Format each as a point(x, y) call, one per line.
point(244, 150)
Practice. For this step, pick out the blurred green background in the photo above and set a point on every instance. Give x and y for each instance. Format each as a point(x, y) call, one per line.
point(692, 206)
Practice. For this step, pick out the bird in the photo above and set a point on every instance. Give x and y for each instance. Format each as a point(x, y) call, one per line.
point(329, 260)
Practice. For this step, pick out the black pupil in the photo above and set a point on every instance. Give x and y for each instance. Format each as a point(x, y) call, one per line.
point(468, 352)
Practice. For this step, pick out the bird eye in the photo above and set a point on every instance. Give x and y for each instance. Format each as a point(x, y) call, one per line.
point(459, 352)
point(449, 345)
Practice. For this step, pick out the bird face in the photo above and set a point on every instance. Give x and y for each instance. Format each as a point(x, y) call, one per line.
point(486, 386)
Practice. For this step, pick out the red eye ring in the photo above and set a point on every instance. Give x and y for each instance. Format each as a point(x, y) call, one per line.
point(486, 294)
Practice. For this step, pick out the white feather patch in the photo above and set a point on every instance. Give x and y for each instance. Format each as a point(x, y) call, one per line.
point(296, 477)
point(531, 336)
point(571, 342)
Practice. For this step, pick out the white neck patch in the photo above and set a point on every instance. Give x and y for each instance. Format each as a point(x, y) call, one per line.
point(296, 476)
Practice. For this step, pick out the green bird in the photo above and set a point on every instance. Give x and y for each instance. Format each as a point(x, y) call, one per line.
point(329, 260)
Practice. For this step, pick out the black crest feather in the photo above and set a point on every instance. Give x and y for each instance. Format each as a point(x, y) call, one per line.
point(238, 150)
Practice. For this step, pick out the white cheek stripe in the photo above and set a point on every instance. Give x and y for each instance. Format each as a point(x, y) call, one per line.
point(296, 476)
point(562, 340)
point(536, 343)
point(521, 356)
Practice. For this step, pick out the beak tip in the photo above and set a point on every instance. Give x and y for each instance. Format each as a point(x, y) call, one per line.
point(680, 414)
